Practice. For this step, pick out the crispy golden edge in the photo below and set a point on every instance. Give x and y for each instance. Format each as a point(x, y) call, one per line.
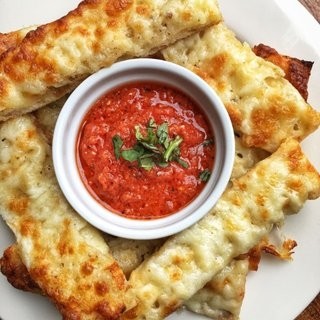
point(12, 39)
point(16, 272)
point(297, 71)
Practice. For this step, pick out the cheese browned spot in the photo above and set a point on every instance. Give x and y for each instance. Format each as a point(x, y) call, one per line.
point(66, 258)
point(52, 59)
point(264, 107)
point(11, 39)
point(232, 227)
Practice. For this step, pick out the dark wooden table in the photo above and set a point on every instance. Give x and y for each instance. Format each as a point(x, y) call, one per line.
point(312, 312)
point(313, 6)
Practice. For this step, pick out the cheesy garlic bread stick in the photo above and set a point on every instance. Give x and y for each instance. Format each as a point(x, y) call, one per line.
point(265, 108)
point(51, 60)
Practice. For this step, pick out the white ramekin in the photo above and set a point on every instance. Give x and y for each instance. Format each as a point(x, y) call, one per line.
point(70, 119)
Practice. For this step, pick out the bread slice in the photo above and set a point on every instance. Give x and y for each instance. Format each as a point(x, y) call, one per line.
point(66, 257)
point(265, 108)
point(247, 211)
point(221, 298)
point(51, 60)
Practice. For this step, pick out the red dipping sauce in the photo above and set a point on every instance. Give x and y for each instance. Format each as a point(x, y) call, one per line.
point(122, 186)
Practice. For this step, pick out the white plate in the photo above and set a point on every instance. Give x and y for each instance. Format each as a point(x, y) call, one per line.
point(279, 290)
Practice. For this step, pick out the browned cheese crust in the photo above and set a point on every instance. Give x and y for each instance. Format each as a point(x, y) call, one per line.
point(16, 272)
point(11, 39)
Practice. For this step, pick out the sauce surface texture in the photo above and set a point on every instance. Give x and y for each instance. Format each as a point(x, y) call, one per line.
point(124, 187)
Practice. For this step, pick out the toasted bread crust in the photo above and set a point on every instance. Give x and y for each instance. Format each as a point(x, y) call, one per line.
point(297, 71)
point(16, 272)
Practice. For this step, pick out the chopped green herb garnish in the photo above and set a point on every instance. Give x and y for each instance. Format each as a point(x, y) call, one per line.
point(208, 142)
point(146, 163)
point(133, 154)
point(150, 146)
point(163, 134)
point(182, 163)
point(173, 146)
point(154, 149)
point(117, 144)
point(138, 133)
point(152, 124)
point(205, 175)
point(130, 155)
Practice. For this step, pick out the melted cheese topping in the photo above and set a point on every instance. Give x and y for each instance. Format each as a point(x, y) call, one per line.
point(130, 253)
point(264, 107)
point(52, 59)
point(245, 158)
point(67, 258)
point(245, 213)
point(221, 298)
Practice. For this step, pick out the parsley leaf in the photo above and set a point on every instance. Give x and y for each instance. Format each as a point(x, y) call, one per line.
point(138, 133)
point(172, 148)
point(146, 163)
point(152, 124)
point(153, 149)
point(182, 163)
point(208, 142)
point(130, 155)
point(133, 154)
point(163, 134)
point(205, 175)
point(117, 144)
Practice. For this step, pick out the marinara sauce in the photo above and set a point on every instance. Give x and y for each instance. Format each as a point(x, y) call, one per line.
point(124, 187)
